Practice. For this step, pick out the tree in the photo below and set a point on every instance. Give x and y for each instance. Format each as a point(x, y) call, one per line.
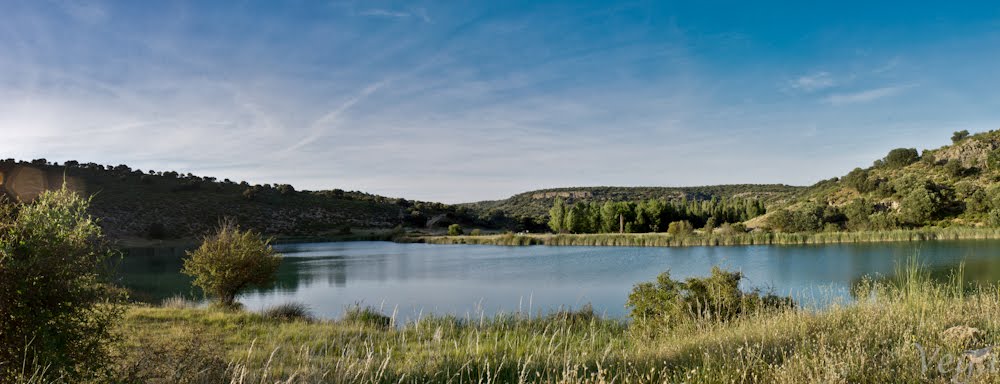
point(56, 307)
point(959, 135)
point(680, 228)
point(557, 216)
point(579, 220)
point(286, 189)
point(455, 230)
point(858, 213)
point(231, 260)
point(901, 157)
point(919, 206)
point(860, 180)
point(954, 168)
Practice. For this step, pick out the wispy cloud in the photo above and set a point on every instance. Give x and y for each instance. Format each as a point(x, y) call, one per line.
point(814, 82)
point(385, 13)
point(330, 119)
point(419, 13)
point(864, 96)
point(89, 13)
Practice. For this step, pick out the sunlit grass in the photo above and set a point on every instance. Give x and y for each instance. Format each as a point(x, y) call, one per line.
point(873, 339)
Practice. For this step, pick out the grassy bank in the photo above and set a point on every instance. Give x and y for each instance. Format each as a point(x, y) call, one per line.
point(716, 239)
point(877, 339)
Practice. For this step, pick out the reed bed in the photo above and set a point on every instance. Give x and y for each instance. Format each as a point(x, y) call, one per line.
point(716, 239)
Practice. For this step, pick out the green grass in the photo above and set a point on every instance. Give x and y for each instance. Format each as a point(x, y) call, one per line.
point(752, 238)
point(874, 339)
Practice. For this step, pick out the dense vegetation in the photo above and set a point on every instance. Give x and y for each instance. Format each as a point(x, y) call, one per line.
point(951, 185)
point(56, 309)
point(654, 215)
point(531, 209)
point(132, 203)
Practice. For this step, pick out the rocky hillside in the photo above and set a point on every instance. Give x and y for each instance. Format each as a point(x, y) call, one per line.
point(955, 184)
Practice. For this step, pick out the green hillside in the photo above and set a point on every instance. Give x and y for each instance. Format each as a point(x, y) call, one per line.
point(166, 205)
point(953, 185)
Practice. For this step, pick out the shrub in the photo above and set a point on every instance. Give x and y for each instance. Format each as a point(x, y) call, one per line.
point(288, 312)
point(993, 160)
point(955, 168)
point(367, 316)
point(231, 260)
point(455, 230)
point(919, 206)
point(476, 232)
point(717, 298)
point(807, 219)
point(55, 308)
point(584, 315)
point(993, 219)
point(286, 189)
point(901, 157)
point(680, 228)
point(859, 179)
point(959, 135)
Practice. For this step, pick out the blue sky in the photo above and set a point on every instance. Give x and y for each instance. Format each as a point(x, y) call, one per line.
point(462, 101)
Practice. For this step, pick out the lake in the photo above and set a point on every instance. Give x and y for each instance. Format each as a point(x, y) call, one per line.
point(467, 280)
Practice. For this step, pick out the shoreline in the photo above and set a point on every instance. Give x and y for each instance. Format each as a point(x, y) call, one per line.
point(741, 239)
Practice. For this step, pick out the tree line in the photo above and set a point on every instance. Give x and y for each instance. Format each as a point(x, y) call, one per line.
point(654, 215)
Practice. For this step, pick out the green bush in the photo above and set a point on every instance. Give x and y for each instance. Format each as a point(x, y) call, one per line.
point(955, 168)
point(56, 310)
point(288, 312)
point(959, 135)
point(680, 228)
point(476, 232)
point(455, 230)
point(367, 316)
point(667, 303)
point(860, 180)
point(901, 157)
point(231, 260)
point(805, 219)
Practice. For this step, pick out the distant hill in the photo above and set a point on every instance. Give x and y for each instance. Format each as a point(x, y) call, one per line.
point(150, 204)
point(536, 204)
point(955, 184)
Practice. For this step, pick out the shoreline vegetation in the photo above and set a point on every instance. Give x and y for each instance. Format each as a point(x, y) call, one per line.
point(910, 329)
point(715, 239)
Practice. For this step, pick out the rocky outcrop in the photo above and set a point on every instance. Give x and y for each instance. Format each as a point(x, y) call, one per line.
point(972, 152)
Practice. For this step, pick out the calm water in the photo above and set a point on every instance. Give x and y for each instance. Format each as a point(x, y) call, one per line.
point(468, 279)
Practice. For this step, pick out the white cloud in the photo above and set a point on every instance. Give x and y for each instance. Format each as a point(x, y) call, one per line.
point(864, 96)
point(814, 82)
point(385, 13)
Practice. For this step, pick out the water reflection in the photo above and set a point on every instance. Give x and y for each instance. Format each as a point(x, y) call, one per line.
point(420, 278)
